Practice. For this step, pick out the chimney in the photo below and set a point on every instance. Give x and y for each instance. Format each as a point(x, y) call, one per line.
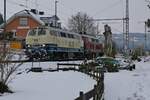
point(34, 11)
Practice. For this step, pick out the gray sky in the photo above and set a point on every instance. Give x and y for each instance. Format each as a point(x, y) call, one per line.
point(95, 8)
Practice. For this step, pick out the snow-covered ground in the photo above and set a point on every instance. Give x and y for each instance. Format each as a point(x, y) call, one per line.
point(129, 85)
point(48, 85)
point(123, 85)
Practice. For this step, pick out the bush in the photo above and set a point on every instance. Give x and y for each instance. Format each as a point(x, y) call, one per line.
point(4, 88)
point(82, 67)
point(138, 59)
point(111, 68)
point(134, 57)
point(88, 66)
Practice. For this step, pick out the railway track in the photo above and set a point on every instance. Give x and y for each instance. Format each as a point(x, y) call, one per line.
point(26, 61)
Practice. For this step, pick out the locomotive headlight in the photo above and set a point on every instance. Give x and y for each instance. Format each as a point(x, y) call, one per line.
point(28, 46)
point(43, 45)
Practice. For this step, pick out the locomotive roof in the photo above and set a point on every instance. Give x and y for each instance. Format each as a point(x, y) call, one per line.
point(60, 30)
point(89, 36)
point(69, 32)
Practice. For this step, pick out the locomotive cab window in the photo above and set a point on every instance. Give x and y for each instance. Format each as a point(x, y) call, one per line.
point(41, 31)
point(32, 32)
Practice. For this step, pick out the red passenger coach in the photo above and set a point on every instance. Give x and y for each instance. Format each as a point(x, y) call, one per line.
point(92, 46)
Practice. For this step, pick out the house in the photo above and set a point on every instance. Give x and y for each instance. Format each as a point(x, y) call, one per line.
point(21, 22)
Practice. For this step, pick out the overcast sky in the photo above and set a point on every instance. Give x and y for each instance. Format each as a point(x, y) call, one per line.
point(95, 8)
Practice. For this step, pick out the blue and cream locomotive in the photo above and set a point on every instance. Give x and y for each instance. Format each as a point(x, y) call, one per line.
point(52, 43)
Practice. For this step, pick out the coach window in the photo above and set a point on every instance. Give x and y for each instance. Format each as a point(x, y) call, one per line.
point(53, 33)
point(97, 41)
point(58, 34)
point(77, 37)
point(92, 40)
point(23, 21)
point(72, 36)
point(63, 34)
point(69, 36)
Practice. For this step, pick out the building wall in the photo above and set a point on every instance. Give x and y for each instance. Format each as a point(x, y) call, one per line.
point(21, 31)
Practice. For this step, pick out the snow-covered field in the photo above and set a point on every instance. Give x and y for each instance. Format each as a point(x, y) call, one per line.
point(48, 85)
point(129, 85)
point(123, 85)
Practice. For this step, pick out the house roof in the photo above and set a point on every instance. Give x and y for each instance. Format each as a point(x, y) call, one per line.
point(49, 19)
point(25, 13)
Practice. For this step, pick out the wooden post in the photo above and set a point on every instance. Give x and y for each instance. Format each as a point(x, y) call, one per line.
point(74, 68)
point(82, 95)
point(57, 67)
point(95, 93)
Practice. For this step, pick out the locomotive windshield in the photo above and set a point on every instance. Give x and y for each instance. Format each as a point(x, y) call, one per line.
point(41, 31)
point(32, 32)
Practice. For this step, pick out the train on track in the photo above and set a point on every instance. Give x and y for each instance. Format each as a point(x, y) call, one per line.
point(48, 43)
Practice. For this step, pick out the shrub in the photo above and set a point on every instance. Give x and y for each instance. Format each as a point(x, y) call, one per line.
point(4, 88)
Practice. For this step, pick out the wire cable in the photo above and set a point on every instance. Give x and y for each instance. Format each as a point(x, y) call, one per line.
point(109, 7)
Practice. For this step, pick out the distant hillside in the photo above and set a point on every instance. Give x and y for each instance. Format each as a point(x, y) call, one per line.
point(136, 40)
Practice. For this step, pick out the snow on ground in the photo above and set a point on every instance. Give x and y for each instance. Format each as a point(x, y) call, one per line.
point(129, 85)
point(48, 85)
point(123, 85)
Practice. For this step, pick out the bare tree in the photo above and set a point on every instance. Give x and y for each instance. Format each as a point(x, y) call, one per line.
point(7, 70)
point(110, 46)
point(82, 23)
point(108, 40)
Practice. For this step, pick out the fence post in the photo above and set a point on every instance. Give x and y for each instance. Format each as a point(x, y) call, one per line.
point(82, 95)
point(95, 93)
point(74, 68)
point(57, 66)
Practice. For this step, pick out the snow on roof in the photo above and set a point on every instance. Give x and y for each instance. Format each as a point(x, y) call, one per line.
point(46, 19)
point(25, 13)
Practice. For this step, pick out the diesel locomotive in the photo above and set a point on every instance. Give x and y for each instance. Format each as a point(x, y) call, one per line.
point(50, 43)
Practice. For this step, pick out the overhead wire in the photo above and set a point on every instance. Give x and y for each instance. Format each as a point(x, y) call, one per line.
point(108, 7)
point(18, 4)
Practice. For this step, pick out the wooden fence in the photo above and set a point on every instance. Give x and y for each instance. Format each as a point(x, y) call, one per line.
point(97, 92)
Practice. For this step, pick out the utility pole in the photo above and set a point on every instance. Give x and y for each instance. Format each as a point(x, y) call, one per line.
point(4, 14)
point(127, 27)
point(4, 32)
point(123, 35)
point(56, 12)
point(145, 27)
